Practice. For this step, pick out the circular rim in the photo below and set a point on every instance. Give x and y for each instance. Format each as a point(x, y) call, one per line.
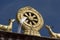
point(31, 10)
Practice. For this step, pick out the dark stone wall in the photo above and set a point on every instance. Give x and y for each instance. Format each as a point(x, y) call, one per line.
point(15, 36)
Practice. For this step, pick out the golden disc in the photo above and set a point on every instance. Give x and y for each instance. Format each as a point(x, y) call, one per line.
point(34, 18)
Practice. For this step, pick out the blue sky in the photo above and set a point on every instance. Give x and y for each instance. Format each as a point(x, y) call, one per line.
point(50, 10)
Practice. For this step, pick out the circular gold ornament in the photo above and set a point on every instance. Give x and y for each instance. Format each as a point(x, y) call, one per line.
point(34, 19)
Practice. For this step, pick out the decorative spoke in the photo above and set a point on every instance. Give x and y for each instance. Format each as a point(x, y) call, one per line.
point(34, 22)
point(26, 14)
point(31, 18)
point(30, 23)
point(26, 20)
point(34, 16)
point(35, 19)
point(29, 14)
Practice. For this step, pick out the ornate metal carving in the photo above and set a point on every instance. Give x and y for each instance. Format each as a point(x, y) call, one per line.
point(52, 34)
point(8, 27)
point(34, 21)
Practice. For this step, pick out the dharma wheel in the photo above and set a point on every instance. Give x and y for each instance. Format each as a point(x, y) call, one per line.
point(34, 21)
